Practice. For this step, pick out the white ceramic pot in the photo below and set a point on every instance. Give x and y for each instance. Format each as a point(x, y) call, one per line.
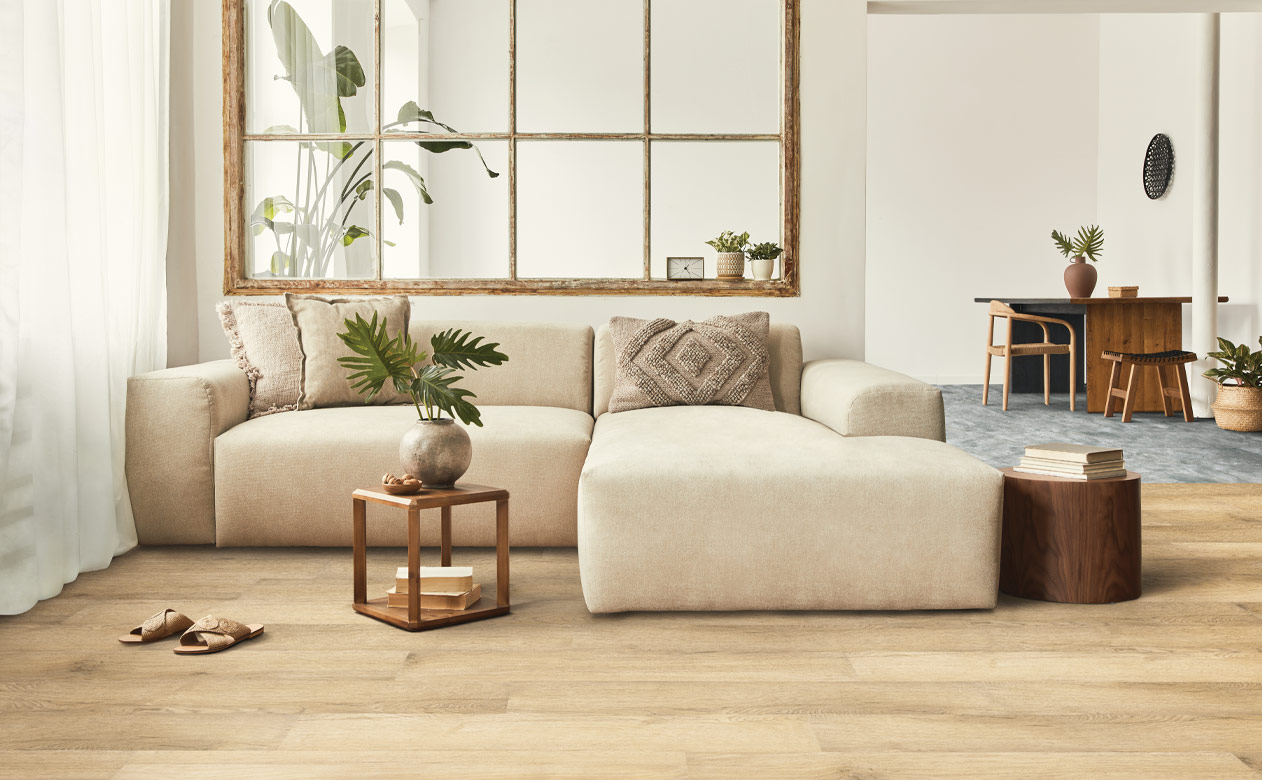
point(731, 265)
point(763, 269)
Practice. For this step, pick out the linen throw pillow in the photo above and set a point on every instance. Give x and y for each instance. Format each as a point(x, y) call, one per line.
point(264, 342)
point(318, 321)
point(722, 360)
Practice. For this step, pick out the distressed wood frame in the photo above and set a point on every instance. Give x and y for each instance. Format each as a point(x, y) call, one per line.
point(237, 281)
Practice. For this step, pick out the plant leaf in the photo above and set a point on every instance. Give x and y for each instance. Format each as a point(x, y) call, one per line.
point(306, 69)
point(417, 181)
point(353, 232)
point(435, 386)
point(378, 358)
point(349, 73)
point(459, 349)
point(396, 200)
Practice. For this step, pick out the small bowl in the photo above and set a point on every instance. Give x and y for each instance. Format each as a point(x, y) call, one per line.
point(402, 490)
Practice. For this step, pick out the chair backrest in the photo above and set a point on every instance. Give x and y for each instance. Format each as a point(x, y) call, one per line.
point(549, 363)
point(784, 345)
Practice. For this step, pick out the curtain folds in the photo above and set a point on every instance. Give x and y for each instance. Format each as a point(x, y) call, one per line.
point(83, 183)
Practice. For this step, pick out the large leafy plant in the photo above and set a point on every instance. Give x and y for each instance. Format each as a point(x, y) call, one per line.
point(432, 386)
point(1238, 363)
point(1089, 243)
point(332, 177)
point(730, 241)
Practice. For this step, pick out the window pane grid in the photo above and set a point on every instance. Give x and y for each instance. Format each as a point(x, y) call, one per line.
point(788, 172)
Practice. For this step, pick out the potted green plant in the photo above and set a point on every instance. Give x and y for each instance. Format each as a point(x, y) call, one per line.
point(762, 259)
point(1238, 406)
point(1080, 278)
point(731, 248)
point(435, 449)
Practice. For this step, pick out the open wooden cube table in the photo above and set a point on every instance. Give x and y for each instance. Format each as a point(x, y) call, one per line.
point(414, 618)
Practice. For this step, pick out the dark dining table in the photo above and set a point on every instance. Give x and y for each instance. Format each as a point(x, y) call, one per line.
point(1118, 324)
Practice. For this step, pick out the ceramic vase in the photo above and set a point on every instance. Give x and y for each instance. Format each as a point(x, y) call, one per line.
point(437, 452)
point(731, 265)
point(763, 269)
point(1080, 278)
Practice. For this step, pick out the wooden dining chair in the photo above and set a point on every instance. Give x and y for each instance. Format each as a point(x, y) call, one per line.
point(1007, 350)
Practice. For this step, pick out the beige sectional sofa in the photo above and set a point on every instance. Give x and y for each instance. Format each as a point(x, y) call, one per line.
point(844, 498)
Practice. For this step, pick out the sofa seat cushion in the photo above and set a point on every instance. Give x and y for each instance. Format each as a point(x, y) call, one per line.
point(286, 479)
point(720, 508)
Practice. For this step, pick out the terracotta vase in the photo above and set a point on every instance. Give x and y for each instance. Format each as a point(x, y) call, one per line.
point(1080, 278)
point(437, 452)
point(731, 265)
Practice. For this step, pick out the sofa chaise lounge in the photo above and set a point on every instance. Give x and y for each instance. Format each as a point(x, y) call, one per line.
point(846, 497)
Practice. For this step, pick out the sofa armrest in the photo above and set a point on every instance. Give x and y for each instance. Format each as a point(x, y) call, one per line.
point(173, 417)
point(859, 399)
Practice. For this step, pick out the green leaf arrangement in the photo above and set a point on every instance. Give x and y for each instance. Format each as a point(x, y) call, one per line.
point(379, 358)
point(730, 241)
point(1089, 243)
point(768, 250)
point(1239, 363)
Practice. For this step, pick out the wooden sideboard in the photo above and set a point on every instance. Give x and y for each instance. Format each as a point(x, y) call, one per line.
point(1119, 324)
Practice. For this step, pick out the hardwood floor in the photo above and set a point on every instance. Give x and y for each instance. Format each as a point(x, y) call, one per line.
point(1169, 686)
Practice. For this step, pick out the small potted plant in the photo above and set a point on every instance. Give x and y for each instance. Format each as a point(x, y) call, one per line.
point(731, 248)
point(1238, 406)
point(1080, 278)
point(762, 259)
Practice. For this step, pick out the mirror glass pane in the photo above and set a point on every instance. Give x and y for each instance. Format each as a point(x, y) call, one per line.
point(449, 57)
point(716, 66)
point(310, 214)
point(700, 189)
point(580, 207)
point(309, 66)
point(580, 66)
point(463, 232)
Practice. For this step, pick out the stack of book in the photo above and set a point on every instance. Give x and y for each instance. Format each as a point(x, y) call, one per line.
point(1075, 461)
point(442, 587)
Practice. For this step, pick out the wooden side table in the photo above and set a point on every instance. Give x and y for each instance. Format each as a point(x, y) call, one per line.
point(414, 618)
point(1070, 540)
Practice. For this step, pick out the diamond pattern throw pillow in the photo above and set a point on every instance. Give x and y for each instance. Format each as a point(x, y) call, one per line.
point(722, 360)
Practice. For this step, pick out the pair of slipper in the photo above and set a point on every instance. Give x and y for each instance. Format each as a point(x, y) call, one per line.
point(208, 635)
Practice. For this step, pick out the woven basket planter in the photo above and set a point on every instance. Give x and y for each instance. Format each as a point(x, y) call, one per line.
point(1238, 408)
point(731, 265)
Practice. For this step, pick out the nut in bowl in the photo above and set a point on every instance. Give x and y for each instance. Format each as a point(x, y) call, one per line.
point(405, 485)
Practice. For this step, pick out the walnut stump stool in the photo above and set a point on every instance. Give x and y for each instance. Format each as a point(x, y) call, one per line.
point(1070, 540)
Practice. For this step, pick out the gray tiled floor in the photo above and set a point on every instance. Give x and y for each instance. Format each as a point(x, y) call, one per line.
point(1159, 448)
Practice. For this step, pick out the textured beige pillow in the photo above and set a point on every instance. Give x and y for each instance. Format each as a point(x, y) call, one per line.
point(264, 343)
point(319, 320)
point(722, 360)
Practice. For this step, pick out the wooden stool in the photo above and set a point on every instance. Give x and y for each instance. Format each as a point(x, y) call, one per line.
point(1176, 387)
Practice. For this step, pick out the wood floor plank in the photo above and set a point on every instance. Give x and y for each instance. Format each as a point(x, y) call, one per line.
point(1169, 686)
point(917, 765)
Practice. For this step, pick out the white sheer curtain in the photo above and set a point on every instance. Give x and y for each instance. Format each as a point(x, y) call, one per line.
point(83, 191)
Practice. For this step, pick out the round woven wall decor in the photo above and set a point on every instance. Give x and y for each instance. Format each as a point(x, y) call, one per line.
point(1158, 166)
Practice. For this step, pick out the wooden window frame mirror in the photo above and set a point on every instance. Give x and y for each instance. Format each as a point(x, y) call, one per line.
point(237, 280)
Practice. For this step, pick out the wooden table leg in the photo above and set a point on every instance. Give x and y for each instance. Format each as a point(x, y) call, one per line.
point(445, 533)
point(501, 553)
point(414, 565)
point(359, 534)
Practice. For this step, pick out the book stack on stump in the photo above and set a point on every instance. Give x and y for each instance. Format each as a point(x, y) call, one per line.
point(1074, 461)
point(442, 587)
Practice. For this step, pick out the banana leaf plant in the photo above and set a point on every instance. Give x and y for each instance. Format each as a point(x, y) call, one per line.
point(432, 386)
point(308, 227)
point(1239, 363)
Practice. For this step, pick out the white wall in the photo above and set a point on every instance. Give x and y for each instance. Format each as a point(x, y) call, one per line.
point(981, 140)
point(830, 311)
point(1150, 242)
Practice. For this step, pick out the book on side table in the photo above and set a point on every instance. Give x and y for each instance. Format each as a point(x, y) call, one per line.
point(1073, 461)
point(442, 587)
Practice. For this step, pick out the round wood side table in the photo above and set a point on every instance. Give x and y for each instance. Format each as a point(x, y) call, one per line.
point(1070, 540)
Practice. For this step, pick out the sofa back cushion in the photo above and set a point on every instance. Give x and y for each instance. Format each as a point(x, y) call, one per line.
point(784, 347)
point(549, 363)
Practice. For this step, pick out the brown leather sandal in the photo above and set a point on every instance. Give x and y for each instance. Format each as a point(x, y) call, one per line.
point(212, 634)
point(166, 623)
